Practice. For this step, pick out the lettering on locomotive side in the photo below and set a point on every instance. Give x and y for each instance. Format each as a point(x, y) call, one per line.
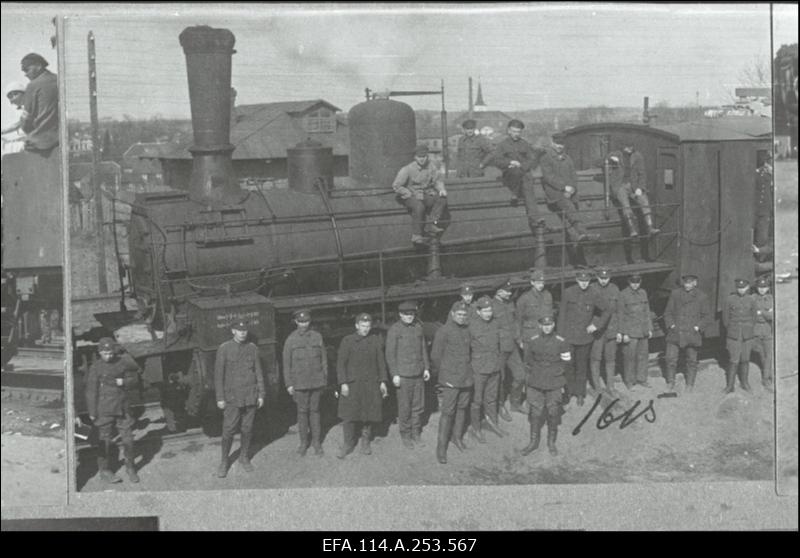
point(224, 319)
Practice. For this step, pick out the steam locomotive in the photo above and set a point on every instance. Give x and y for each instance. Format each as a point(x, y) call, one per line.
point(208, 252)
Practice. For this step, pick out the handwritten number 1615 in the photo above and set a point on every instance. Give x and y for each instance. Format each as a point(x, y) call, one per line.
point(607, 417)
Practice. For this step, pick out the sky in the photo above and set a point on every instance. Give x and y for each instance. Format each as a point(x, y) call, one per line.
point(526, 56)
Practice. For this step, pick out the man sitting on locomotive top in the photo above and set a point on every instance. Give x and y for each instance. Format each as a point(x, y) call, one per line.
point(560, 181)
point(15, 92)
point(634, 187)
point(420, 188)
point(41, 104)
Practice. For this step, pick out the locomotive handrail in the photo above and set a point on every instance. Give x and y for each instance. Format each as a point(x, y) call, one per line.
point(320, 184)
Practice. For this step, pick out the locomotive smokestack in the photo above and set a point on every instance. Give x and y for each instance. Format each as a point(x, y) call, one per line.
point(208, 66)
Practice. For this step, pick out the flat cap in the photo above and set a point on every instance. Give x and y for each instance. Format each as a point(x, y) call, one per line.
point(583, 274)
point(537, 275)
point(741, 283)
point(421, 150)
point(407, 306)
point(363, 317)
point(762, 281)
point(505, 286)
point(484, 302)
point(635, 278)
point(240, 325)
point(467, 288)
point(33, 58)
point(469, 124)
point(603, 272)
point(547, 320)
point(15, 86)
point(459, 306)
point(107, 344)
point(302, 315)
point(516, 124)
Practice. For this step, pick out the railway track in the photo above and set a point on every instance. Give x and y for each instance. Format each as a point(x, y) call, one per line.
point(33, 385)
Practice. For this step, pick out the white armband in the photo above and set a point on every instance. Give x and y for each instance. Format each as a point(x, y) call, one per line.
point(566, 357)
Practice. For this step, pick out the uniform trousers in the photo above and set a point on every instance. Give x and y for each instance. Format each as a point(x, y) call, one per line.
point(568, 212)
point(739, 349)
point(233, 415)
point(635, 353)
point(625, 194)
point(454, 398)
point(410, 404)
point(486, 388)
point(673, 352)
point(123, 424)
point(431, 203)
point(541, 400)
point(521, 185)
point(579, 371)
point(605, 349)
point(763, 346)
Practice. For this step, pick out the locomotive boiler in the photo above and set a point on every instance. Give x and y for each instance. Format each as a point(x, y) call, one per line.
point(208, 252)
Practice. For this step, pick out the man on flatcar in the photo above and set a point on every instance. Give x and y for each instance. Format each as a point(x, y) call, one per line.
point(487, 340)
point(41, 104)
point(763, 340)
point(686, 317)
point(407, 359)
point(582, 312)
point(634, 187)
point(361, 375)
point(473, 152)
point(516, 158)
point(305, 369)
point(420, 188)
point(560, 184)
point(239, 386)
point(739, 319)
point(547, 355)
point(450, 359)
point(108, 387)
point(604, 346)
point(634, 330)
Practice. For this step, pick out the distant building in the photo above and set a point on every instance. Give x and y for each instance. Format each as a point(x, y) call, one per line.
point(261, 134)
point(81, 193)
point(141, 169)
point(80, 143)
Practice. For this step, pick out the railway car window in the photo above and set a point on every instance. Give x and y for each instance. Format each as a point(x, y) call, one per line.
point(667, 163)
point(669, 178)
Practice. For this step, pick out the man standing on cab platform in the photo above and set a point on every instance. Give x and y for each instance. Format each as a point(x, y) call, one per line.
point(109, 382)
point(420, 188)
point(407, 358)
point(239, 385)
point(305, 369)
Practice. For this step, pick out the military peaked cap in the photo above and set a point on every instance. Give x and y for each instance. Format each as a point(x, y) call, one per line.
point(407, 306)
point(459, 306)
point(547, 320)
point(762, 281)
point(363, 317)
point(484, 302)
point(107, 344)
point(741, 283)
point(302, 315)
point(240, 325)
point(537, 275)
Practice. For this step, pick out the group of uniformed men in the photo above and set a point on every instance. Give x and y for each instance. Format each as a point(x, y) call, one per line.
point(550, 362)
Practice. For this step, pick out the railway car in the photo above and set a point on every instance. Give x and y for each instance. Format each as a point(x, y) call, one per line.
point(207, 253)
point(32, 260)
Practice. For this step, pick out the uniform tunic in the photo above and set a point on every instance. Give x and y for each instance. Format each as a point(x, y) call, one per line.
point(577, 311)
point(406, 354)
point(762, 343)
point(41, 105)
point(516, 150)
point(486, 342)
point(633, 313)
point(530, 307)
point(605, 342)
point(739, 317)
point(558, 171)
point(109, 403)
point(238, 379)
point(545, 364)
point(305, 362)
point(686, 311)
point(451, 355)
point(360, 364)
point(504, 312)
point(472, 150)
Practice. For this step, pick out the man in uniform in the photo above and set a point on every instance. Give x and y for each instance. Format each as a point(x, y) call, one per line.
point(109, 382)
point(764, 206)
point(634, 187)
point(762, 342)
point(504, 312)
point(739, 318)
point(361, 374)
point(407, 358)
point(516, 158)
point(239, 386)
point(560, 184)
point(546, 357)
point(487, 340)
point(420, 188)
point(305, 369)
point(467, 293)
point(534, 304)
point(634, 330)
point(450, 358)
point(41, 104)
point(686, 317)
point(577, 323)
point(473, 149)
point(604, 345)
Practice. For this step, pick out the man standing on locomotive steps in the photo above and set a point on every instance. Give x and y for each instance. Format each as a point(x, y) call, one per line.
point(473, 152)
point(239, 385)
point(450, 358)
point(686, 317)
point(546, 356)
point(407, 358)
point(305, 369)
point(361, 374)
point(109, 382)
point(420, 188)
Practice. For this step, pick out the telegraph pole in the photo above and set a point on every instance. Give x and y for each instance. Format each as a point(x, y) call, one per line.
point(102, 283)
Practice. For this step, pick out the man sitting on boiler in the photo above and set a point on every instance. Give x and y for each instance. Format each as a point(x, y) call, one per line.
point(420, 188)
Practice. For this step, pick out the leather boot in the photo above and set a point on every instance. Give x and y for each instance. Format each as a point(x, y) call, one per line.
point(744, 372)
point(244, 453)
point(536, 423)
point(416, 437)
point(633, 230)
point(552, 434)
point(130, 467)
point(594, 373)
point(366, 434)
point(503, 413)
point(475, 425)
point(445, 427)
point(515, 398)
point(492, 425)
point(316, 432)
point(302, 428)
point(671, 379)
point(103, 466)
point(651, 228)
point(730, 376)
point(348, 439)
point(222, 470)
point(458, 430)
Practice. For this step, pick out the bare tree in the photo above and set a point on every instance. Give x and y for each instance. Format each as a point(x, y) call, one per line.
point(756, 74)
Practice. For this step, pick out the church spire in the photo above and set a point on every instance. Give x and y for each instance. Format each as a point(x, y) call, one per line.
point(479, 103)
